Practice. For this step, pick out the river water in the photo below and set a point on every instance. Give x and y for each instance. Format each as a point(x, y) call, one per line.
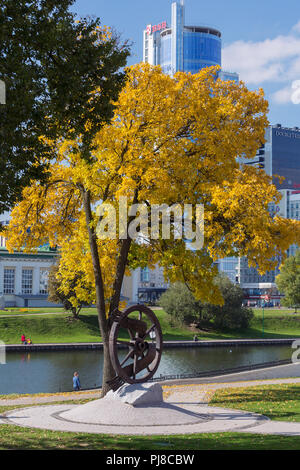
point(52, 371)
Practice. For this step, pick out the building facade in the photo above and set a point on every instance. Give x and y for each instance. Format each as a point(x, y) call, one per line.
point(280, 156)
point(180, 47)
point(144, 285)
point(24, 276)
point(255, 285)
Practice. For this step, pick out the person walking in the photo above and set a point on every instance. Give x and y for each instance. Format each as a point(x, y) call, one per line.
point(76, 382)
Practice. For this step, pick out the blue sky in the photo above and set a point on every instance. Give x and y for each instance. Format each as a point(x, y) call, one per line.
point(260, 40)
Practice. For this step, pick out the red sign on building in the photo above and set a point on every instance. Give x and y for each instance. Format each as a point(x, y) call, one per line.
point(157, 27)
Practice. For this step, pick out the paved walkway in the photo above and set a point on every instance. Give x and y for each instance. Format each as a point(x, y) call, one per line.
point(8, 315)
point(185, 411)
point(49, 398)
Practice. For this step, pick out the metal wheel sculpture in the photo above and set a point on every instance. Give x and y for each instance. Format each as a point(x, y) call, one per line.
point(143, 349)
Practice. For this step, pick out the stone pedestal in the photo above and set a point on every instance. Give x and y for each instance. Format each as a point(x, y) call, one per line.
point(138, 394)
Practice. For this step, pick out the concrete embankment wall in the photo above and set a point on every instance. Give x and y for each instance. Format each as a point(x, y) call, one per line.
point(167, 344)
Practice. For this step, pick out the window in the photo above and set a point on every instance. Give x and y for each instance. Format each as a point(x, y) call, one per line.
point(9, 281)
point(27, 275)
point(145, 274)
point(44, 275)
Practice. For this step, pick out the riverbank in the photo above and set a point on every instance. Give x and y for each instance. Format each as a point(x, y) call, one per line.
point(59, 328)
point(167, 344)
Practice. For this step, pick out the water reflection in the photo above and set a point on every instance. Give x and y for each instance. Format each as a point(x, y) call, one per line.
point(51, 371)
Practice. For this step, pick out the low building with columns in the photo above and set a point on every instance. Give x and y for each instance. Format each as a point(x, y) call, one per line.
point(24, 276)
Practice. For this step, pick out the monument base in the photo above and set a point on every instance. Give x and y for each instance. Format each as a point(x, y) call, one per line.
point(133, 405)
point(138, 394)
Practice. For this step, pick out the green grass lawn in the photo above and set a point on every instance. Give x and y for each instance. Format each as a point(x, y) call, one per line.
point(279, 402)
point(17, 438)
point(58, 327)
point(31, 310)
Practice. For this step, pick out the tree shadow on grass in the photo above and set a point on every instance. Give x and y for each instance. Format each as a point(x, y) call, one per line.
point(91, 323)
point(277, 402)
point(264, 393)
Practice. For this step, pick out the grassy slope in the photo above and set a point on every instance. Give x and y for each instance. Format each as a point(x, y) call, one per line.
point(57, 328)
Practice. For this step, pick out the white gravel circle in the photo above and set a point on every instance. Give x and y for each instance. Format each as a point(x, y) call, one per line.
point(206, 419)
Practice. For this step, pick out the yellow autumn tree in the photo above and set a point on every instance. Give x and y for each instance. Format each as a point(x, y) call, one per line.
point(171, 141)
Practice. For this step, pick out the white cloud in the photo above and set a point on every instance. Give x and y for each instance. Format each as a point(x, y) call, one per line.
point(283, 95)
point(296, 28)
point(294, 70)
point(271, 60)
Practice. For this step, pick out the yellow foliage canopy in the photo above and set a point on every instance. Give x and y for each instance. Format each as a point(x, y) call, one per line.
point(171, 140)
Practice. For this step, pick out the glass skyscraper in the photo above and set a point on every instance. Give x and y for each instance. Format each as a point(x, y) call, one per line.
point(183, 48)
point(280, 156)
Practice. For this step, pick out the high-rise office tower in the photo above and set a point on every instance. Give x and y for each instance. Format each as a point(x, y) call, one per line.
point(176, 47)
point(179, 47)
point(280, 156)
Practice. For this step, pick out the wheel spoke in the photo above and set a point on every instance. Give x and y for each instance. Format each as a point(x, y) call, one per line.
point(126, 358)
point(149, 330)
point(134, 365)
point(131, 334)
point(126, 343)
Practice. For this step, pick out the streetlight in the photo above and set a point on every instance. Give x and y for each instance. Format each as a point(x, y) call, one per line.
point(2, 92)
point(263, 317)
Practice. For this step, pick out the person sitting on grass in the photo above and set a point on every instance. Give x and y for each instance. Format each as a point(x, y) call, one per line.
point(23, 339)
point(29, 341)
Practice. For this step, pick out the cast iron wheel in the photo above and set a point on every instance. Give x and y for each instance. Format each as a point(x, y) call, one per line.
point(144, 348)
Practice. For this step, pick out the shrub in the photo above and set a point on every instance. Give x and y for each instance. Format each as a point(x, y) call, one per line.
point(179, 302)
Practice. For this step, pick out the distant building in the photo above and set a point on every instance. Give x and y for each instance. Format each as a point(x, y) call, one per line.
point(255, 285)
point(24, 276)
point(145, 285)
point(180, 47)
point(280, 155)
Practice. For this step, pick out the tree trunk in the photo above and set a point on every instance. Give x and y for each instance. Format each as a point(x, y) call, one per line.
point(121, 266)
point(125, 247)
point(108, 371)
